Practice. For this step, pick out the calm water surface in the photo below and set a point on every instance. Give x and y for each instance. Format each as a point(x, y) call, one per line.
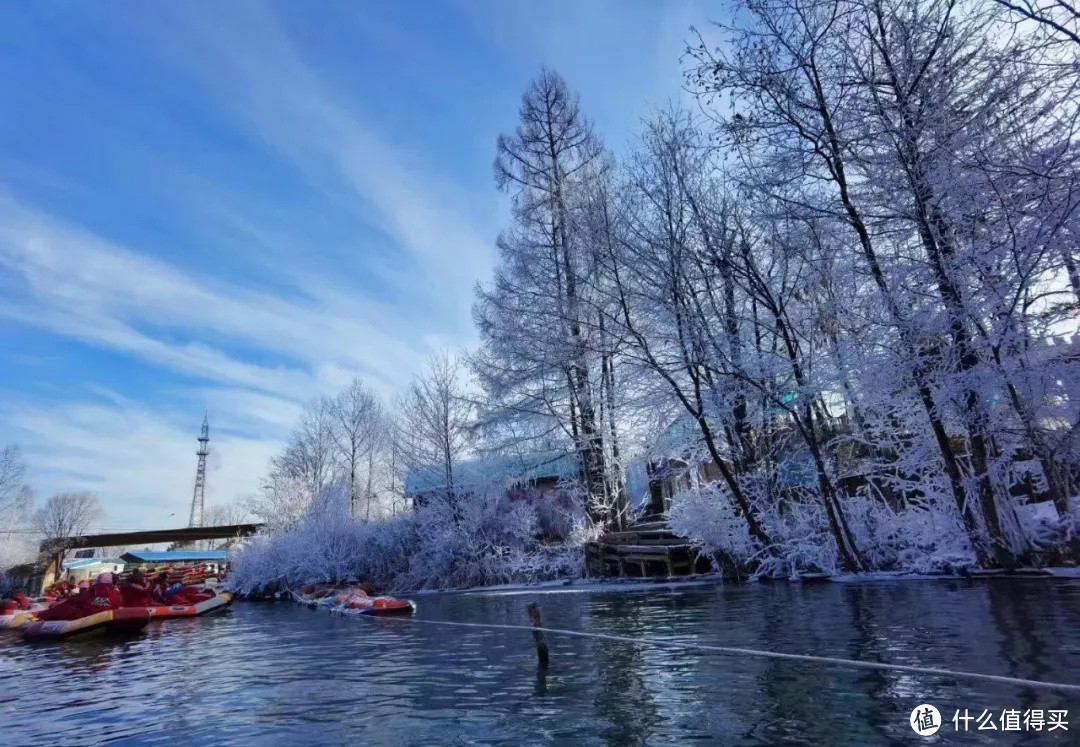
point(277, 673)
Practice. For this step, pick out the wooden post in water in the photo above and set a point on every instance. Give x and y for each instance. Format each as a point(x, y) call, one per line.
point(538, 635)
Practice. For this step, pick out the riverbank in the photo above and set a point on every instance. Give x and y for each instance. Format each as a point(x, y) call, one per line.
point(676, 583)
point(489, 541)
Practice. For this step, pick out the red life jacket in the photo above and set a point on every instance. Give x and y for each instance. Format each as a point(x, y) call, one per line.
point(135, 595)
point(65, 610)
point(99, 598)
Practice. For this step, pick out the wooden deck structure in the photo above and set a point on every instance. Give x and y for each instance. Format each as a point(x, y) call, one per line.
point(647, 548)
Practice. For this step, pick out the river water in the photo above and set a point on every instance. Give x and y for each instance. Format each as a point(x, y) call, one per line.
point(278, 673)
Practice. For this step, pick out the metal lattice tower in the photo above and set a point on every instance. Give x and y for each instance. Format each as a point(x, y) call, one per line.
point(198, 499)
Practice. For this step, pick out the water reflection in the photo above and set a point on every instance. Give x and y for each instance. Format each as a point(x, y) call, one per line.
point(623, 699)
point(269, 673)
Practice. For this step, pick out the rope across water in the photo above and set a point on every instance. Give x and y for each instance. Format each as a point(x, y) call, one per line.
point(751, 652)
point(830, 660)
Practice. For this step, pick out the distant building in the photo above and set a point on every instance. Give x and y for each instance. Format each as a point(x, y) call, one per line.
point(537, 477)
point(541, 471)
point(80, 569)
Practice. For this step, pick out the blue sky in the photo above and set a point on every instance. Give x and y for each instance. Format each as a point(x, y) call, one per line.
point(238, 206)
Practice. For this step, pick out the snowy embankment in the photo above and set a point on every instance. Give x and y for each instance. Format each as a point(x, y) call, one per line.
point(928, 539)
point(484, 542)
point(488, 542)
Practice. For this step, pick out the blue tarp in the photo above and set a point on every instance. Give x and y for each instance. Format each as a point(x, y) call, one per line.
point(177, 556)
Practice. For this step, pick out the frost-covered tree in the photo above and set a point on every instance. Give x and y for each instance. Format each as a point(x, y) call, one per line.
point(217, 515)
point(310, 455)
point(925, 152)
point(16, 503)
point(545, 364)
point(14, 493)
point(358, 431)
point(281, 500)
point(226, 514)
point(673, 307)
point(435, 419)
point(1061, 17)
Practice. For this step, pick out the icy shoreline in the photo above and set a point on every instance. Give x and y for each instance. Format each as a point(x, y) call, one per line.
point(715, 579)
point(676, 583)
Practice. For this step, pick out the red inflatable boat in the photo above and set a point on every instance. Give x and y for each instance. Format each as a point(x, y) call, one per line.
point(376, 606)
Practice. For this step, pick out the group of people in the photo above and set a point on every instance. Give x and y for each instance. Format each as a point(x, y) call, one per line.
point(16, 602)
point(108, 594)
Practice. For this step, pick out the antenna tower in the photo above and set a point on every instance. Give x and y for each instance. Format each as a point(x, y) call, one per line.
point(198, 499)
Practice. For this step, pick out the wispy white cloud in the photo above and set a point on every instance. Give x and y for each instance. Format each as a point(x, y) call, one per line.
point(252, 347)
point(79, 285)
point(259, 351)
point(441, 237)
point(248, 411)
point(140, 462)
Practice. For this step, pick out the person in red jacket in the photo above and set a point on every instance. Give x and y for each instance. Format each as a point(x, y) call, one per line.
point(17, 601)
point(159, 592)
point(102, 596)
point(135, 592)
point(66, 609)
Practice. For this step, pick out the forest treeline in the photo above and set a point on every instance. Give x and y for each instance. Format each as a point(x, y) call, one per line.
point(839, 281)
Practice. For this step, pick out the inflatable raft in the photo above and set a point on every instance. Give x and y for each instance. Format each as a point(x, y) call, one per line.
point(353, 602)
point(213, 604)
point(123, 620)
point(375, 606)
point(16, 620)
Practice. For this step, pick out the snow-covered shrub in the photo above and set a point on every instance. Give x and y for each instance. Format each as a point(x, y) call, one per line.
point(557, 511)
point(325, 546)
point(927, 537)
point(482, 539)
point(450, 541)
point(800, 534)
point(707, 517)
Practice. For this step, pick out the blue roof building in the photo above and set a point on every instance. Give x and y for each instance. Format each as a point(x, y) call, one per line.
point(472, 474)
